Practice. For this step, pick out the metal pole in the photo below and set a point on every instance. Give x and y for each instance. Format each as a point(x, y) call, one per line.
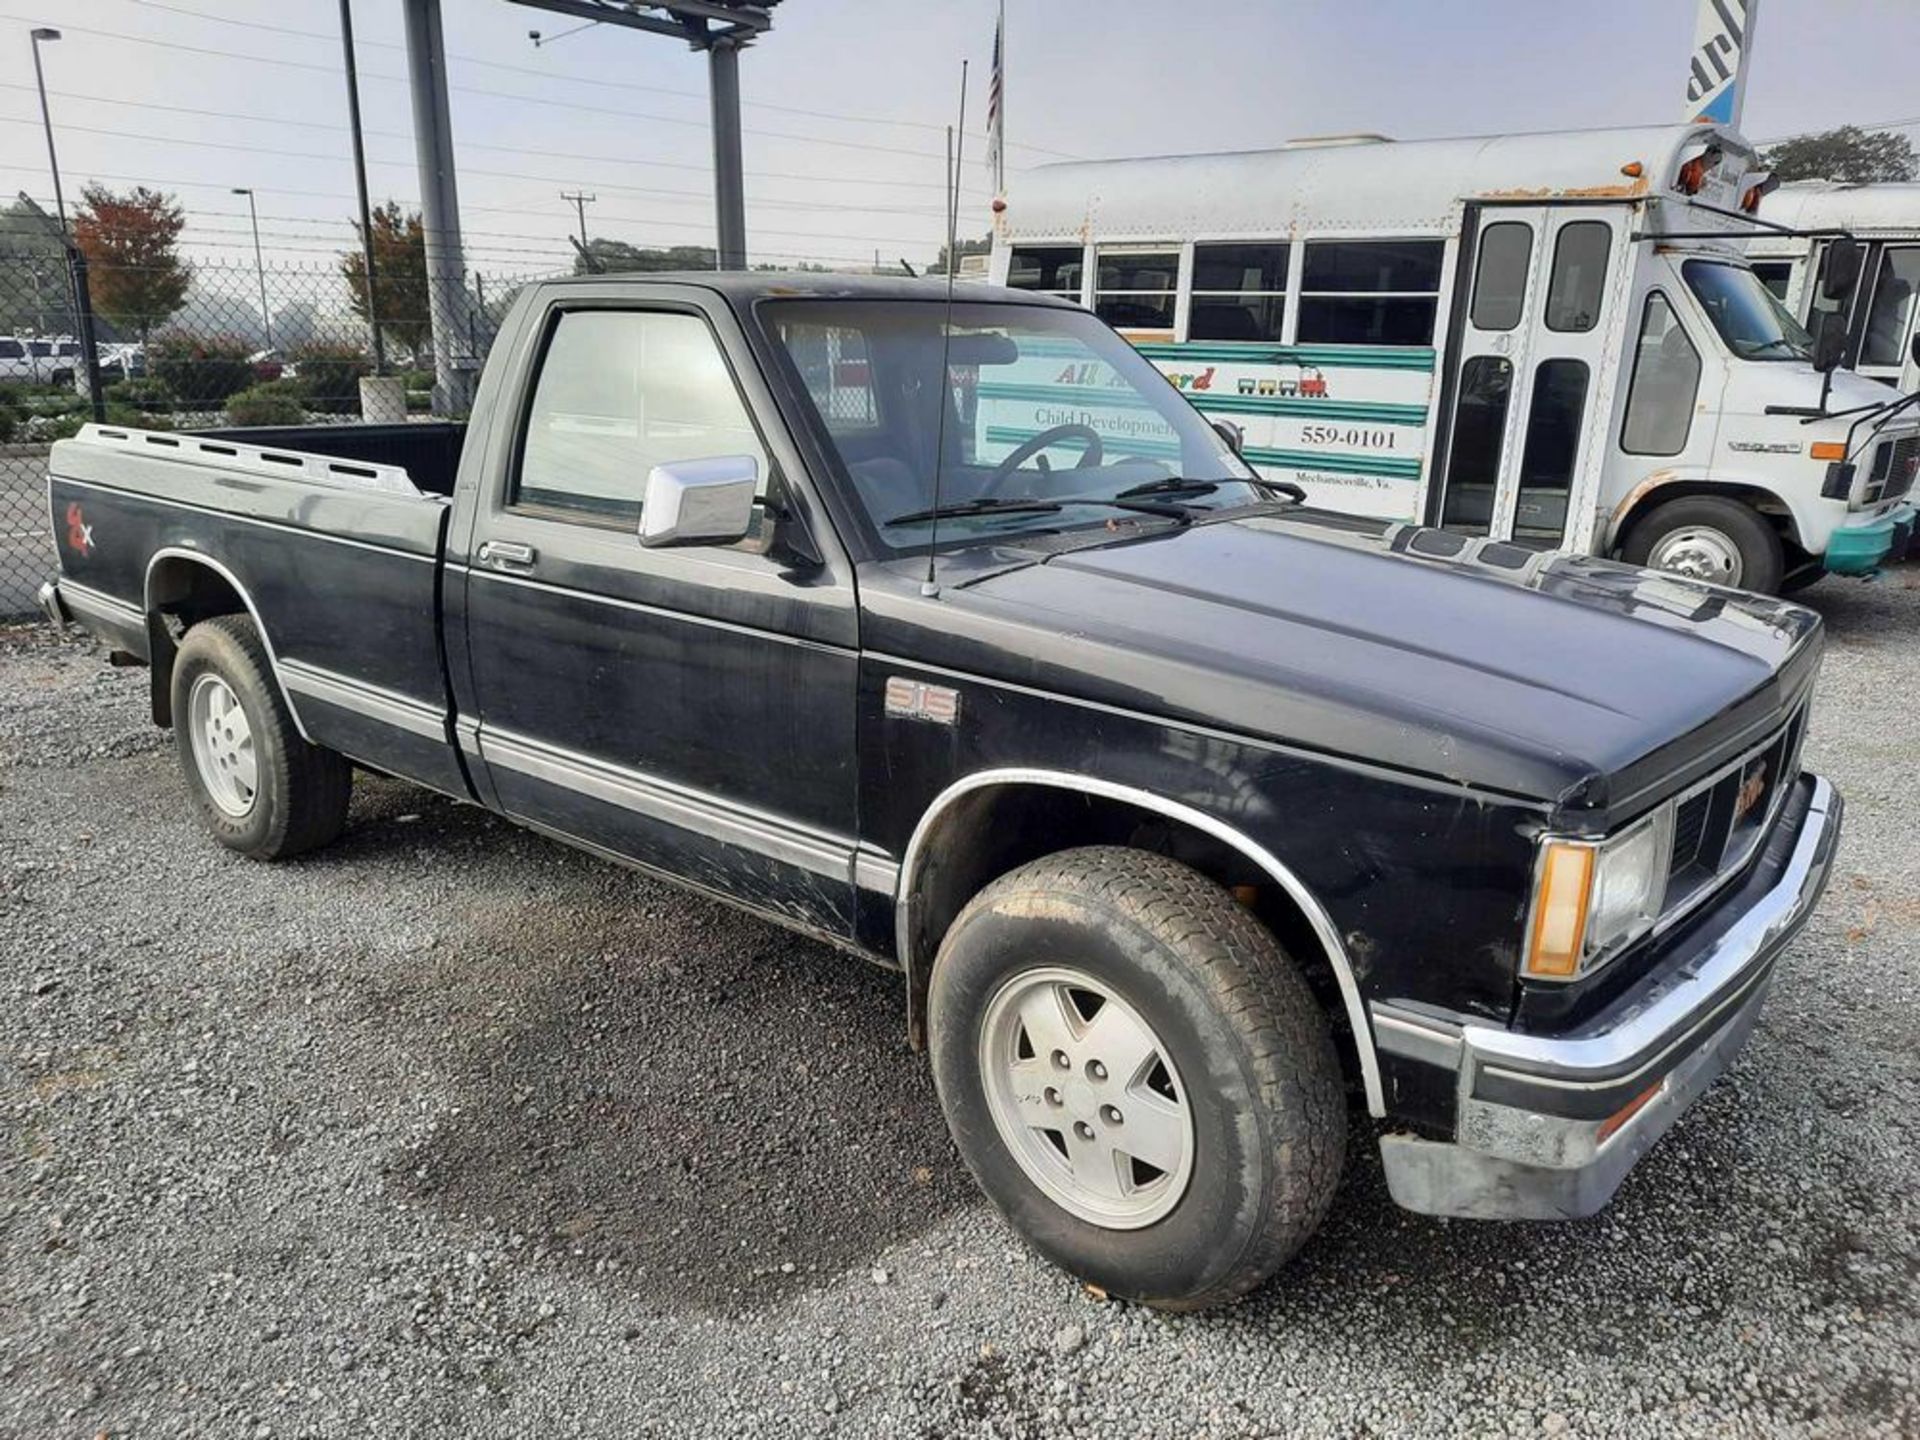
point(259, 265)
point(580, 201)
point(83, 313)
point(730, 202)
point(360, 181)
point(439, 204)
point(46, 119)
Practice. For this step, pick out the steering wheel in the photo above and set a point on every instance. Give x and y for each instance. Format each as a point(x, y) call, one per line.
point(1045, 440)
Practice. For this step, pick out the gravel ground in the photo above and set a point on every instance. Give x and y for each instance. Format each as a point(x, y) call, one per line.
point(450, 1131)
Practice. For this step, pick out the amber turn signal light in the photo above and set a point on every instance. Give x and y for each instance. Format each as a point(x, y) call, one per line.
point(1560, 911)
point(1828, 450)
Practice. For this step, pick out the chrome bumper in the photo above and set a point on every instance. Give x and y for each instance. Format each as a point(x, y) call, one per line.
point(1548, 1126)
point(50, 606)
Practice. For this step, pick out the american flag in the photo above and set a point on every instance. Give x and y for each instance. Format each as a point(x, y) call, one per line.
point(996, 114)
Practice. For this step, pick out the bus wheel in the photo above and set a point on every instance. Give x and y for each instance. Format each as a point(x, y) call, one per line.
point(1708, 537)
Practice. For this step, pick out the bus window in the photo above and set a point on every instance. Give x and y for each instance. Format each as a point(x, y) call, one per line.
point(1239, 292)
point(1552, 449)
point(1666, 375)
point(1473, 460)
point(1579, 276)
point(1776, 275)
point(1369, 292)
point(1051, 269)
point(1500, 282)
point(1134, 291)
point(1890, 316)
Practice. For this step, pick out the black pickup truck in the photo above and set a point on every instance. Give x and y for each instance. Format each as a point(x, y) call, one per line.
point(1190, 815)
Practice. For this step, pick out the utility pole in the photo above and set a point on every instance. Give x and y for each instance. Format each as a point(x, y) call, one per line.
point(47, 33)
point(439, 207)
point(722, 28)
point(360, 183)
point(580, 202)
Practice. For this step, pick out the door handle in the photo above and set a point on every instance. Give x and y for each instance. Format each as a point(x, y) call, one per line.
point(505, 555)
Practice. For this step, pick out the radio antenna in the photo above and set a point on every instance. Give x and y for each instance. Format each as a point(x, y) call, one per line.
point(929, 587)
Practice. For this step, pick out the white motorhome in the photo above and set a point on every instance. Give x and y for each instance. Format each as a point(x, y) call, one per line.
point(1883, 317)
point(1550, 339)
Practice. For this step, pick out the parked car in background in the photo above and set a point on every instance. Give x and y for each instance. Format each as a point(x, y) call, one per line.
point(1185, 810)
point(1553, 340)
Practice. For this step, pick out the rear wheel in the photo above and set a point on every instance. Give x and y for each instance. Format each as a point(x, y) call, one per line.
point(1709, 537)
point(257, 786)
point(1137, 1075)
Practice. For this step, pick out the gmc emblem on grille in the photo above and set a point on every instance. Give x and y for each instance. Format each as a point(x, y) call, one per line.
point(1753, 785)
point(917, 700)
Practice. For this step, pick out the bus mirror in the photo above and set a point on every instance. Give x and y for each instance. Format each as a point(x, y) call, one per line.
point(1236, 438)
point(1841, 270)
point(1913, 347)
point(1829, 341)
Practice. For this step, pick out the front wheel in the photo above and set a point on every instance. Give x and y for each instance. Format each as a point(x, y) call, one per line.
point(1709, 537)
point(1137, 1075)
point(257, 786)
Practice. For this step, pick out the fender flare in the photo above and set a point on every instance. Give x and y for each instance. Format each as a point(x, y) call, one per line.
point(200, 557)
point(1322, 923)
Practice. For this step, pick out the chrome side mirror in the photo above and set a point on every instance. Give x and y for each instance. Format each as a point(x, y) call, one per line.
point(1235, 437)
point(700, 502)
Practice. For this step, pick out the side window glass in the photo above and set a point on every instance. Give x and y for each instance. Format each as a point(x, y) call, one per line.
point(1890, 318)
point(1579, 280)
point(1134, 290)
point(1369, 292)
point(1239, 292)
point(832, 360)
point(1500, 280)
point(1473, 458)
point(1666, 377)
point(1051, 269)
point(1552, 449)
point(619, 392)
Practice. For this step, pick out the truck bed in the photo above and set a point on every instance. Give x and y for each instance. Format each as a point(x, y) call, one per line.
point(332, 547)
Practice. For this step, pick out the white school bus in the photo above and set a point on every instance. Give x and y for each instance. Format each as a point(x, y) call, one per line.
point(1883, 308)
point(1549, 339)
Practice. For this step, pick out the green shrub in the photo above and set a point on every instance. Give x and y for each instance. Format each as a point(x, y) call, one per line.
point(9, 420)
point(150, 394)
point(275, 403)
point(329, 372)
point(201, 370)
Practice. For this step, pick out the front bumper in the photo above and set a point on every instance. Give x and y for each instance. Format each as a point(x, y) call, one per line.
point(1548, 1126)
point(1862, 549)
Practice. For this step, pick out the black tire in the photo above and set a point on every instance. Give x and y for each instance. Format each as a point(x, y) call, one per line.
point(1250, 1043)
point(301, 795)
point(1762, 556)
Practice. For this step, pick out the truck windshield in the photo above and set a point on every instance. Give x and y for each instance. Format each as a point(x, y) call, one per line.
point(1053, 421)
point(1754, 325)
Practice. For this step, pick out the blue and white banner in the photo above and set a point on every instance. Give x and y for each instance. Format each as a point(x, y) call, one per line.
point(1717, 76)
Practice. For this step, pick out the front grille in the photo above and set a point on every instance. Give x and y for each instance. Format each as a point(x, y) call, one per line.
point(1895, 464)
point(1717, 826)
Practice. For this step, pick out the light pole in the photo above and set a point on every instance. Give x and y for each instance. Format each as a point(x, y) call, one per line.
point(47, 32)
point(259, 266)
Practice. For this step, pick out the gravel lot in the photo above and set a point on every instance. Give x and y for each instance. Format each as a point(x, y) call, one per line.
point(450, 1131)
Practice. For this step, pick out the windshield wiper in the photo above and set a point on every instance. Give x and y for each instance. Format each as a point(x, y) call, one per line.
point(1178, 485)
point(985, 506)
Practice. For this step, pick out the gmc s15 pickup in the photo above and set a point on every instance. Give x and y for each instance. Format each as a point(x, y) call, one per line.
point(1186, 811)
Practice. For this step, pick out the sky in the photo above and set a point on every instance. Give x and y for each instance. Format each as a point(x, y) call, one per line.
point(846, 104)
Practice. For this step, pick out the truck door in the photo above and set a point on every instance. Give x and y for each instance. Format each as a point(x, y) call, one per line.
point(1534, 364)
point(687, 709)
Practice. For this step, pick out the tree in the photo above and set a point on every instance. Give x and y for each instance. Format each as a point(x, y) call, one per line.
point(400, 277)
point(134, 270)
point(611, 257)
point(1848, 154)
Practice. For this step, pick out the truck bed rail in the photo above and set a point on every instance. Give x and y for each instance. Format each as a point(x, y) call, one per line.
point(234, 455)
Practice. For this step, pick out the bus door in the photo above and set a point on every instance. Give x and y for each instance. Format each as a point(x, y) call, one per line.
point(1533, 373)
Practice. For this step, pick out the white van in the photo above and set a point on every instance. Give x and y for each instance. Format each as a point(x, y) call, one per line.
point(1551, 339)
point(1882, 310)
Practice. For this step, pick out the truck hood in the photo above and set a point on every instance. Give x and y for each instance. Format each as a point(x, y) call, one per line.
point(1571, 680)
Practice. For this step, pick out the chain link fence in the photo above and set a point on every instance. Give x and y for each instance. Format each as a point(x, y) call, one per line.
point(210, 345)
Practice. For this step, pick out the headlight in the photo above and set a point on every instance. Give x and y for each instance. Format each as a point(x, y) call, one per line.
point(1592, 898)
